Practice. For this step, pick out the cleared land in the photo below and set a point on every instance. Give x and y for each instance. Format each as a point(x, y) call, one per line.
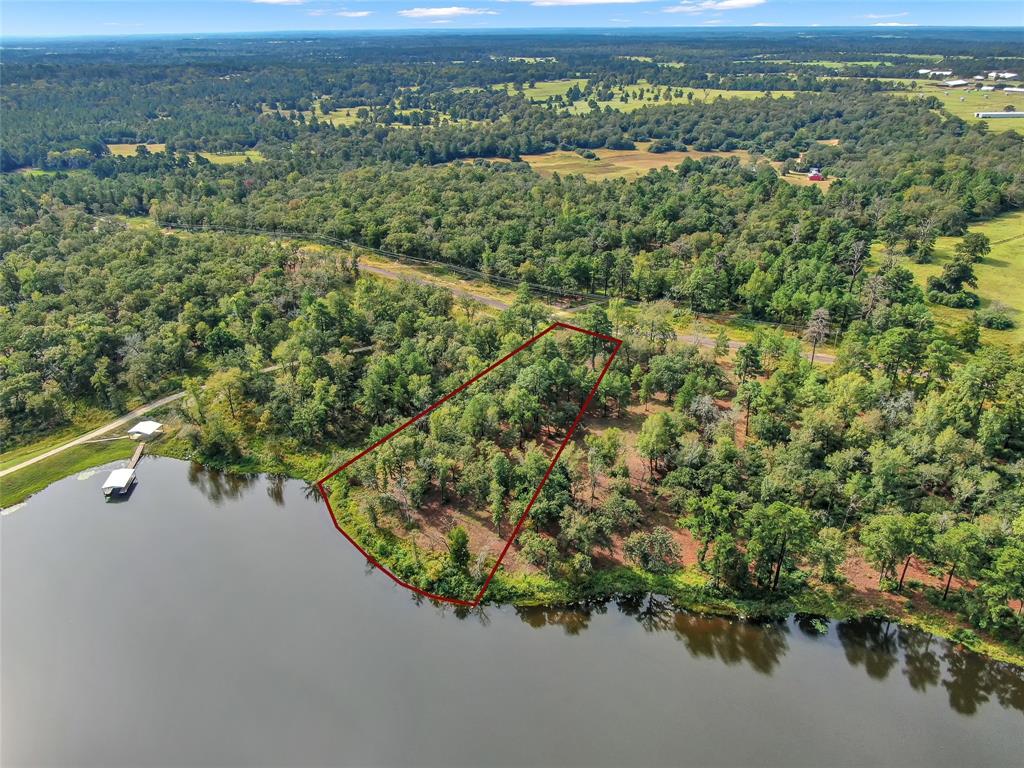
point(647, 99)
point(16, 486)
point(129, 150)
point(220, 158)
point(963, 103)
point(233, 158)
point(1000, 275)
point(619, 163)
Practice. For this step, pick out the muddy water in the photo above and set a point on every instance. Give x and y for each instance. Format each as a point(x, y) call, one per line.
point(213, 620)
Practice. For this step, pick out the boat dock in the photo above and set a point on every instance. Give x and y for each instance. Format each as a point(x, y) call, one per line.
point(138, 455)
point(121, 481)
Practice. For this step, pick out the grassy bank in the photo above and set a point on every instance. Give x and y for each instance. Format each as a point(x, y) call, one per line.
point(16, 487)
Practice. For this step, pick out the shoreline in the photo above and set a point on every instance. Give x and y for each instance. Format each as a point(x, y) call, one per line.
point(685, 587)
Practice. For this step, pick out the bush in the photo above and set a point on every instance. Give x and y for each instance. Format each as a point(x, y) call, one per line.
point(539, 551)
point(965, 637)
point(995, 318)
point(958, 300)
point(656, 551)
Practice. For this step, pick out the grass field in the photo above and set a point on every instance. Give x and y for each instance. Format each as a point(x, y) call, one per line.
point(832, 64)
point(542, 89)
point(233, 158)
point(128, 150)
point(964, 104)
point(85, 419)
point(636, 102)
point(618, 163)
point(1000, 275)
point(18, 486)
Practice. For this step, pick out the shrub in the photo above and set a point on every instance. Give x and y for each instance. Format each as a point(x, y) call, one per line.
point(656, 551)
point(995, 318)
point(958, 300)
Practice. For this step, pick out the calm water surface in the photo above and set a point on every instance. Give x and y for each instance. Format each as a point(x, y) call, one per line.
point(220, 621)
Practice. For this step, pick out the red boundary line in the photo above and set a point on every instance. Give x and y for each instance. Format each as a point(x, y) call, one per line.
point(526, 512)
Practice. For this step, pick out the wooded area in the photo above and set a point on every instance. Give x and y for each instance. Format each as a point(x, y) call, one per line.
point(766, 475)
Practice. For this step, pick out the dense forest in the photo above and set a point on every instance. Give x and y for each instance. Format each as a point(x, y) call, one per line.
point(905, 452)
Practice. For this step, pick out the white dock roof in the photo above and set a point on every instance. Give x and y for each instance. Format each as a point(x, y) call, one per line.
point(119, 478)
point(146, 428)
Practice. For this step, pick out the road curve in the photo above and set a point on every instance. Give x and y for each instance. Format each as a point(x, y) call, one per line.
point(118, 422)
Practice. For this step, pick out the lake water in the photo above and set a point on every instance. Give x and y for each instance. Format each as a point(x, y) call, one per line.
point(220, 621)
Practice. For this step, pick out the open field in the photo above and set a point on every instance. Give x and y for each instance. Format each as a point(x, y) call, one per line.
point(800, 179)
point(19, 485)
point(129, 150)
point(618, 163)
point(336, 117)
point(219, 158)
point(1000, 275)
point(964, 103)
point(831, 64)
point(233, 158)
point(647, 100)
point(85, 420)
point(542, 89)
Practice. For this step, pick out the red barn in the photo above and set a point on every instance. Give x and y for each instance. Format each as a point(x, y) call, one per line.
point(815, 175)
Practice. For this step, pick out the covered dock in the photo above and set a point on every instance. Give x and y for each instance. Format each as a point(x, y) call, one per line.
point(119, 482)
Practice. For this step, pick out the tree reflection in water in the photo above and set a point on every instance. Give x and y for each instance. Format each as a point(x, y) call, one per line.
point(275, 487)
point(969, 678)
point(573, 619)
point(876, 645)
point(872, 644)
point(220, 486)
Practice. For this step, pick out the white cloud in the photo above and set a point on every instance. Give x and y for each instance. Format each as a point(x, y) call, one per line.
point(316, 13)
point(699, 6)
point(892, 24)
point(450, 11)
point(545, 3)
point(354, 14)
point(766, 24)
point(886, 15)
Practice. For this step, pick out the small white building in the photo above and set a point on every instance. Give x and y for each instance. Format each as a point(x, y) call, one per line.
point(924, 71)
point(1013, 90)
point(119, 482)
point(955, 83)
point(987, 88)
point(984, 115)
point(145, 429)
point(942, 72)
point(1007, 75)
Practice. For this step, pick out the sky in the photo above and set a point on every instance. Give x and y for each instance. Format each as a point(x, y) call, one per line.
point(107, 18)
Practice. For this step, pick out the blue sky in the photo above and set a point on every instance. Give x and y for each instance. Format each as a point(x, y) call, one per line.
point(141, 17)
